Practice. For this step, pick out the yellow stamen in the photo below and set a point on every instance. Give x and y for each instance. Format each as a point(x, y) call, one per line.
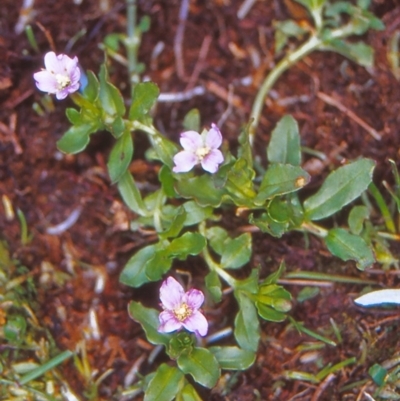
point(201, 153)
point(63, 81)
point(182, 312)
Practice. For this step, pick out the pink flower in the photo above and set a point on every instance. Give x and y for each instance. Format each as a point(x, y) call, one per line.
point(61, 76)
point(181, 309)
point(199, 149)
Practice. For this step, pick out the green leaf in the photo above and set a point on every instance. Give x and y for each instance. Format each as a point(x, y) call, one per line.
point(249, 284)
point(163, 148)
point(120, 157)
point(279, 210)
point(245, 150)
point(340, 188)
point(312, 5)
point(145, 95)
point(91, 91)
point(359, 52)
point(176, 224)
point(284, 145)
point(268, 225)
point(281, 179)
point(74, 116)
point(274, 277)
point(237, 252)
point(134, 272)
point(42, 369)
point(285, 30)
point(247, 326)
point(76, 138)
point(202, 189)
point(144, 23)
point(270, 314)
point(357, 216)
point(378, 374)
point(110, 98)
point(213, 285)
point(239, 183)
point(165, 385)
point(131, 194)
point(15, 328)
point(148, 319)
point(188, 244)
point(347, 246)
point(188, 393)
point(159, 264)
point(113, 40)
point(233, 358)
point(191, 121)
point(118, 127)
point(202, 365)
point(217, 236)
point(181, 343)
point(167, 180)
point(196, 213)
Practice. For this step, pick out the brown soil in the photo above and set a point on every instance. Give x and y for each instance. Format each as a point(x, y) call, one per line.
point(47, 186)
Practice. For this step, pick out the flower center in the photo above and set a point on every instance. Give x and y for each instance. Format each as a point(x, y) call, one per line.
point(63, 81)
point(182, 312)
point(201, 153)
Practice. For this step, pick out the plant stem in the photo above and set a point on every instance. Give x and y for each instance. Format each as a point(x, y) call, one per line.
point(214, 266)
point(290, 59)
point(157, 212)
point(383, 207)
point(312, 228)
point(132, 42)
point(314, 42)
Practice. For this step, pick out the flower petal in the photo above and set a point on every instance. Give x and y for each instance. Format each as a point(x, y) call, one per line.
point(171, 293)
point(168, 322)
point(62, 94)
point(211, 161)
point(45, 81)
point(196, 323)
point(191, 141)
point(184, 161)
point(214, 137)
point(73, 88)
point(55, 64)
point(71, 65)
point(194, 299)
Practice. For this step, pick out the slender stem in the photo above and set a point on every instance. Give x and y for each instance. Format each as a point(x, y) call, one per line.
point(132, 42)
point(157, 212)
point(290, 59)
point(383, 207)
point(314, 42)
point(390, 236)
point(314, 229)
point(214, 266)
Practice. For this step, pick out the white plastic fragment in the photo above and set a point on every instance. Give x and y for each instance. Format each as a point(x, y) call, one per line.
point(94, 325)
point(66, 224)
point(245, 8)
point(181, 96)
point(68, 394)
point(26, 14)
point(379, 297)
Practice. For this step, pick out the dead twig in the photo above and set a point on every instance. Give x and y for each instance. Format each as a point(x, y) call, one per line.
point(223, 94)
point(48, 36)
point(322, 387)
point(335, 103)
point(178, 41)
point(205, 46)
point(10, 135)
